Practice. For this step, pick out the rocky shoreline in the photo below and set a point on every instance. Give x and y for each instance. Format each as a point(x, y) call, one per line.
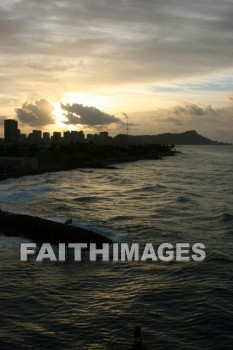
point(92, 164)
point(46, 231)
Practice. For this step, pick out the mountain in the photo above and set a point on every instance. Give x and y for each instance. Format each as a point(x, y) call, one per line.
point(186, 138)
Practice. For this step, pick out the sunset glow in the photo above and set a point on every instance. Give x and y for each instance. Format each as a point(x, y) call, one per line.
point(146, 61)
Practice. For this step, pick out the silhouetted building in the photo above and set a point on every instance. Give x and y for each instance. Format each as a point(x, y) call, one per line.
point(22, 138)
point(37, 136)
point(11, 134)
point(122, 140)
point(90, 137)
point(104, 138)
point(67, 137)
point(104, 134)
point(56, 138)
point(46, 137)
point(77, 136)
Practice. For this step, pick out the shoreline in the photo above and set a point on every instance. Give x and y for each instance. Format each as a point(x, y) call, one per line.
point(46, 231)
point(108, 164)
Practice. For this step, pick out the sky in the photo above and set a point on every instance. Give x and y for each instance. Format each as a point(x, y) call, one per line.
point(85, 64)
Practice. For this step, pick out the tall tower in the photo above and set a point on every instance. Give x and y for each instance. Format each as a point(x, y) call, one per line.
point(11, 134)
point(127, 123)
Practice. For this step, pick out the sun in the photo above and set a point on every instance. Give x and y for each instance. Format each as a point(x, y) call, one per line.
point(102, 102)
point(59, 113)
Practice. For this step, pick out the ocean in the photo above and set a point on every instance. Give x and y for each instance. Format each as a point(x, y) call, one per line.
point(95, 305)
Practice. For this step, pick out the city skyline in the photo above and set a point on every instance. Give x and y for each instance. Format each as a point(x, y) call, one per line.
point(13, 135)
point(45, 139)
point(84, 65)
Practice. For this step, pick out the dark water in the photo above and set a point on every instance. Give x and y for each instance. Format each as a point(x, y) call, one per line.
point(187, 305)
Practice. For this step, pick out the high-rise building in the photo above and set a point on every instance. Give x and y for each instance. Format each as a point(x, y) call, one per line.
point(104, 138)
point(77, 136)
point(22, 138)
point(46, 137)
point(37, 136)
point(11, 134)
point(56, 138)
point(104, 134)
point(90, 137)
point(66, 137)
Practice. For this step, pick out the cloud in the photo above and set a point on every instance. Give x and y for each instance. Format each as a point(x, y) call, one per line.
point(188, 109)
point(89, 116)
point(49, 48)
point(175, 121)
point(119, 41)
point(193, 111)
point(58, 67)
point(213, 122)
point(37, 114)
point(190, 112)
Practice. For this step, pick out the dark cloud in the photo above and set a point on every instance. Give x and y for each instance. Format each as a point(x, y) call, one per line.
point(121, 41)
point(207, 120)
point(89, 116)
point(51, 47)
point(213, 122)
point(36, 114)
point(190, 111)
point(189, 114)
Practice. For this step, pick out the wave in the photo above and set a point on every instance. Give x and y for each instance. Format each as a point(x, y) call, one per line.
point(63, 207)
point(88, 171)
point(151, 188)
point(182, 199)
point(87, 199)
point(225, 217)
point(218, 259)
point(111, 233)
point(122, 218)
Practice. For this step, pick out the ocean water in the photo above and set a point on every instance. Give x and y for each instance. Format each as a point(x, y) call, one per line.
point(84, 305)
